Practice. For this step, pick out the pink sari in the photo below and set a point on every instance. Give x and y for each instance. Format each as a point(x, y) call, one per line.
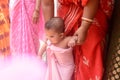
point(24, 35)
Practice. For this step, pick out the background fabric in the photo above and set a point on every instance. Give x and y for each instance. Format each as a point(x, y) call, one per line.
point(112, 64)
point(4, 29)
point(24, 35)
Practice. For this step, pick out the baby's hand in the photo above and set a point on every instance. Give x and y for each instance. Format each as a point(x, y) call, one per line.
point(72, 41)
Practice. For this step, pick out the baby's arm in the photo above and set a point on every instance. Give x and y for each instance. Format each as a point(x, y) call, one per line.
point(72, 41)
point(42, 50)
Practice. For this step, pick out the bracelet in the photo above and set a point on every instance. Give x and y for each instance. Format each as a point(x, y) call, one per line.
point(87, 19)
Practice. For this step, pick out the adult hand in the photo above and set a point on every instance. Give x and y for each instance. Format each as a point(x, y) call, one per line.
point(82, 34)
point(35, 17)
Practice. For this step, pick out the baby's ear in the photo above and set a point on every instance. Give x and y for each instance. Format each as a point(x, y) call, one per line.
point(62, 35)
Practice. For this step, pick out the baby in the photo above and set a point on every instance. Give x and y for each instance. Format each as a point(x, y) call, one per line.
point(59, 51)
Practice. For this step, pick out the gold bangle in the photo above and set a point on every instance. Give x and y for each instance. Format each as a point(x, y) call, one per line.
point(87, 19)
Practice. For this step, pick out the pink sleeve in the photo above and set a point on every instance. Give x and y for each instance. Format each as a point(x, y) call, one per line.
point(84, 2)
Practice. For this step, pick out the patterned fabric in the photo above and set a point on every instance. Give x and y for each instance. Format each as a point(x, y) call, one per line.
point(112, 71)
point(89, 55)
point(4, 29)
point(106, 7)
point(24, 35)
point(67, 2)
point(60, 63)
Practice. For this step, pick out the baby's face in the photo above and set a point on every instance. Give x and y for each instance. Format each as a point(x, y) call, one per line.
point(53, 36)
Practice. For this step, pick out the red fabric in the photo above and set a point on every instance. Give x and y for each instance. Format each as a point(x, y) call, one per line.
point(89, 56)
point(84, 2)
point(106, 6)
point(67, 2)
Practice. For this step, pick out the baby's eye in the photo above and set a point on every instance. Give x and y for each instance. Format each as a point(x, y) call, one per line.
point(51, 36)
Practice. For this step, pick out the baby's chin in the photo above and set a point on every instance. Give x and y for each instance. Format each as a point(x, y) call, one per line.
point(54, 43)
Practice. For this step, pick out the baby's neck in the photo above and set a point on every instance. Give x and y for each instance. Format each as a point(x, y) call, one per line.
point(59, 42)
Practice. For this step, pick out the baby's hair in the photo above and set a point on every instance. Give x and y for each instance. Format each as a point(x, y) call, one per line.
point(55, 23)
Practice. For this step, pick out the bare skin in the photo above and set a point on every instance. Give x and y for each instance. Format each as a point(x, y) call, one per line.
point(47, 7)
point(36, 12)
point(89, 12)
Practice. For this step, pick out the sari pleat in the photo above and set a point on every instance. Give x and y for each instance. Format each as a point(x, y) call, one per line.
point(4, 29)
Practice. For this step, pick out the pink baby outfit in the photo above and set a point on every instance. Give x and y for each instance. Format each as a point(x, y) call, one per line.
point(60, 63)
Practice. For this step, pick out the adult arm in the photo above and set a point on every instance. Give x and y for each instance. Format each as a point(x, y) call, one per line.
point(89, 12)
point(48, 9)
point(36, 11)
